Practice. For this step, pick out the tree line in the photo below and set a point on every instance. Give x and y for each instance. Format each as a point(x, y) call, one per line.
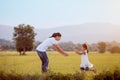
point(101, 47)
point(24, 40)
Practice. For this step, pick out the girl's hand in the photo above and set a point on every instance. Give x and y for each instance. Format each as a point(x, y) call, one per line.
point(76, 51)
point(60, 50)
point(83, 52)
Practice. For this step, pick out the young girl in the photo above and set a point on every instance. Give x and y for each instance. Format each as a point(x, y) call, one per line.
point(85, 64)
point(41, 49)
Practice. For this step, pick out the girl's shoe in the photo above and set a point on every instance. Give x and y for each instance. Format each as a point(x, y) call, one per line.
point(95, 71)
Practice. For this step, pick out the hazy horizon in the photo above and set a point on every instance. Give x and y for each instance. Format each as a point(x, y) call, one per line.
point(54, 13)
point(76, 25)
point(90, 33)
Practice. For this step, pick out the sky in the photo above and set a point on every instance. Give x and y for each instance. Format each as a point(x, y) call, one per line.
point(56, 13)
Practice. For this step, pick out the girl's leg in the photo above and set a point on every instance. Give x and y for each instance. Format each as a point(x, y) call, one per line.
point(93, 70)
point(81, 68)
point(87, 69)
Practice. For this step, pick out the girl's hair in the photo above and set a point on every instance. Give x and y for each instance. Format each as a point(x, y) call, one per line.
point(85, 46)
point(56, 34)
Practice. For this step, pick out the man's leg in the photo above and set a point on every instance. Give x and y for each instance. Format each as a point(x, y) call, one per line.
point(41, 56)
point(46, 61)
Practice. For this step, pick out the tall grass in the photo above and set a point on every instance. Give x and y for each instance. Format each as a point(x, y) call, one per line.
point(15, 67)
point(108, 75)
point(46, 76)
point(105, 75)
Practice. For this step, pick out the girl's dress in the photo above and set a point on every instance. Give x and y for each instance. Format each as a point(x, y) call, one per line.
point(85, 63)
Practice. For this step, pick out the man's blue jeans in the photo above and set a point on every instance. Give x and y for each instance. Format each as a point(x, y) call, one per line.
point(44, 59)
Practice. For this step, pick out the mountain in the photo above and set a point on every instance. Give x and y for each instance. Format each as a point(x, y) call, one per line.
point(89, 32)
point(6, 32)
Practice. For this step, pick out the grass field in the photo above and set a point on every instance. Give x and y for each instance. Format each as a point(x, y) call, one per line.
point(30, 64)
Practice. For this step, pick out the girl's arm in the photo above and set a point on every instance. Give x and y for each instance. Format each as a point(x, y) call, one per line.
point(78, 52)
point(59, 50)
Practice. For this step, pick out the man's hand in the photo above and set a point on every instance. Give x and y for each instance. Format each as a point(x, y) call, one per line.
point(60, 50)
point(65, 54)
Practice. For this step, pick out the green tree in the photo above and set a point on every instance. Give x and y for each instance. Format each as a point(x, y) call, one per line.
point(102, 47)
point(24, 38)
point(115, 49)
